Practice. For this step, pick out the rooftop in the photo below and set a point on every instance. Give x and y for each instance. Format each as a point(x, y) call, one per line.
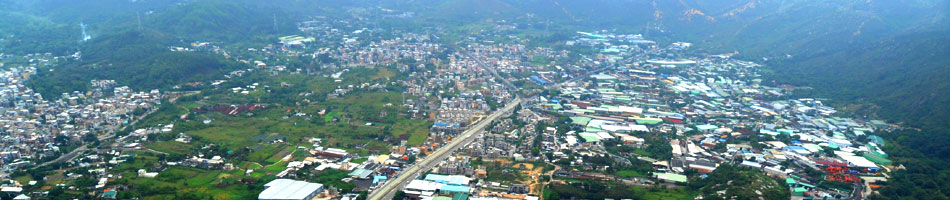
point(289, 189)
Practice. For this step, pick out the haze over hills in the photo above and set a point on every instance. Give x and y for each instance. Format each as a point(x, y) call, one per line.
point(870, 51)
point(872, 59)
point(140, 59)
point(823, 44)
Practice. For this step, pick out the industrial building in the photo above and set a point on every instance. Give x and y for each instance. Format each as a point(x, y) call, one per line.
point(286, 189)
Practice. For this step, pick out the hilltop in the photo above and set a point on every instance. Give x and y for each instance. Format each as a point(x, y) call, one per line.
point(731, 182)
point(141, 60)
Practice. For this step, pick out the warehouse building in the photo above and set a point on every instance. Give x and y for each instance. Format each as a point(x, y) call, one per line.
point(286, 189)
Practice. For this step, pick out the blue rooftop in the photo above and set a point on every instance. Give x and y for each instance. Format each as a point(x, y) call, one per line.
point(455, 188)
point(444, 124)
point(538, 80)
point(796, 148)
point(451, 180)
point(376, 179)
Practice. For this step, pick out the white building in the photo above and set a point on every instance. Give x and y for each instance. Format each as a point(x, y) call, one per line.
point(286, 189)
point(421, 188)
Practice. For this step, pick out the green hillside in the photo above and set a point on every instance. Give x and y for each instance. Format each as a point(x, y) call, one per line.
point(140, 60)
point(731, 182)
point(220, 21)
point(879, 54)
point(902, 77)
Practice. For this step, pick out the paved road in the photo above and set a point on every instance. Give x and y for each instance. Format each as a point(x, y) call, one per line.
point(111, 135)
point(492, 70)
point(139, 118)
point(387, 190)
point(858, 192)
point(71, 155)
point(390, 187)
point(585, 75)
point(64, 157)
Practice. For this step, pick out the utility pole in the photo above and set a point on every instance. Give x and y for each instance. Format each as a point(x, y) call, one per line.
point(546, 24)
point(276, 30)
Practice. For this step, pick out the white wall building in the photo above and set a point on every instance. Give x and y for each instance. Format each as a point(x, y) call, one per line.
point(286, 189)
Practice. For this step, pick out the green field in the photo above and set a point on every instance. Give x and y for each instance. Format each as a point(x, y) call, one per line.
point(171, 147)
point(264, 154)
point(589, 189)
point(418, 131)
point(358, 160)
point(179, 182)
point(276, 167)
point(629, 174)
point(250, 139)
point(329, 117)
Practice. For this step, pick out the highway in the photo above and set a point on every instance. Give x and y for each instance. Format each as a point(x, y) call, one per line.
point(396, 184)
point(390, 187)
point(585, 75)
point(65, 157)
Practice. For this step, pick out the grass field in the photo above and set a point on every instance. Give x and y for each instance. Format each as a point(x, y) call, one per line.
point(329, 117)
point(24, 179)
point(668, 194)
point(259, 127)
point(263, 154)
point(235, 132)
point(600, 190)
point(333, 177)
point(418, 131)
point(629, 174)
point(171, 147)
point(178, 182)
point(253, 135)
point(276, 167)
point(383, 73)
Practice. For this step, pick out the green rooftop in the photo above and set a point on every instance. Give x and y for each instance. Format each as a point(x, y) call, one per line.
point(589, 137)
point(878, 159)
point(799, 191)
point(706, 127)
point(671, 177)
point(580, 120)
point(647, 121)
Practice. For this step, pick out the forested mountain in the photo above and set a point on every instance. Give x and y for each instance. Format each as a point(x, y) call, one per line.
point(903, 78)
point(881, 54)
point(133, 53)
point(140, 60)
point(221, 21)
point(886, 59)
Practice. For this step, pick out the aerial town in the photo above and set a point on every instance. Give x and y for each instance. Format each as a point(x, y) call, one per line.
point(404, 115)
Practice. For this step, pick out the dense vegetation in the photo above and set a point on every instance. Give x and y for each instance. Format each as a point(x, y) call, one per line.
point(925, 155)
point(900, 79)
point(137, 59)
point(222, 21)
point(879, 59)
point(587, 189)
point(731, 182)
point(131, 53)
